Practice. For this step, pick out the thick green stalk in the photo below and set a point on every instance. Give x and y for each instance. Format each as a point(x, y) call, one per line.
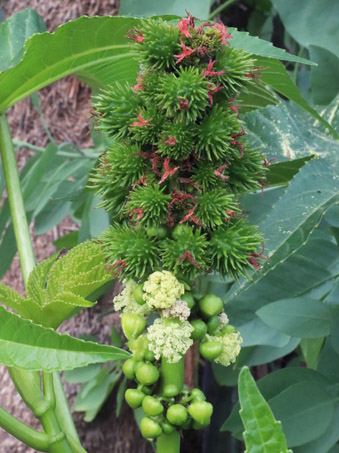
point(27, 383)
point(19, 220)
point(170, 373)
point(35, 439)
point(221, 8)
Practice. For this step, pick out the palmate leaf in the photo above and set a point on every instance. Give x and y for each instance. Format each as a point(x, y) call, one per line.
point(288, 133)
point(263, 434)
point(275, 76)
point(96, 50)
point(30, 347)
point(76, 47)
point(56, 290)
point(13, 33)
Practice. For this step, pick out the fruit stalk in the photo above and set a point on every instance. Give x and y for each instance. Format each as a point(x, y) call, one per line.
point(170, 373)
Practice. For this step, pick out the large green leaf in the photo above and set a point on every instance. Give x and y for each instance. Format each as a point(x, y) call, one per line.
point(309, 268)
point(263, 434)
point(94, 48)
point(286, 133)
point(275, 383)
point(300, 317)
point(319, 24)
point(324, 442)
point(327, 70)
point(275, 75)
point(305, 410)
point(146, 8)
point(261, 47)
point(28, 346)
point(302, 399)
point(13, 34)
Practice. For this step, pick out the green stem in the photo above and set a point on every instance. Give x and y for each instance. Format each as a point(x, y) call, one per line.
point(35, 439)
point(170, 373)
point(63, 413)
point(296, 66)
point(221, 8)
point(28, 383)
point(19, 220)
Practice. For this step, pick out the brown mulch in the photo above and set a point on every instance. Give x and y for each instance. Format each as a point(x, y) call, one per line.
point(66, 106)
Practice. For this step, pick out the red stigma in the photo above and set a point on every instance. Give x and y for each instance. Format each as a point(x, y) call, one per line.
point(188, 256)
point(137, 37)
point(212, 91)
point(209, 72)
point(171, 141)
point(168, 170)
point(186, 52)
point(141, 122)
point(183, 25)
point(224, 36)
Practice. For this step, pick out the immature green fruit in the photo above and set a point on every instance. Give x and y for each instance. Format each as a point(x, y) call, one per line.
point(178, 231)
point(134, 398)
point(151, 406)
point(170, 390)
point(197, 395)
point(177, 414)
point(138, 294)
point(196, 425)
point(228, 329)
point(200, 411)
point(213, 324)
point(132, 325)
point(187, 424)
point(147, 374)
point(128, 368)
point(210, 350)
point(150, 428)
point(146, 390)
point(150, 356)
point(159, 232)
point(138, 346)
point(210, 305)
point(188, 298)
point(167, 428)
point(200, 329)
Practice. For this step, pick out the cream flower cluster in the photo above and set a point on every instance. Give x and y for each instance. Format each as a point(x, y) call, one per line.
point(162, 290)
point(125, 300)
point(231, 347)
point(178, 310)
point(223, 319)
point(170, 339)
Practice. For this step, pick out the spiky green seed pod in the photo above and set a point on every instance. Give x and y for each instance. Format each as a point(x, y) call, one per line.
point(185, 93)
point(119, 168)
point(129, 251)
point(149, 205)
point(146, 126)
point(186, 255)
point(215, 207)
point(215, 134)
point(177, 139)
point(115, 108)
point(239, 70)
point(231, 248)
point(160, 44)
point(209, 175)
point(247, 173)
